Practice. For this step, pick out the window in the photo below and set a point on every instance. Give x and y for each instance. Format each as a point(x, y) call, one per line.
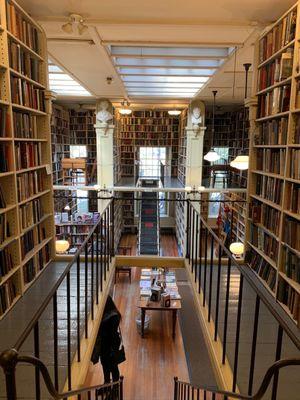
point(78, 151)
point(150, 159)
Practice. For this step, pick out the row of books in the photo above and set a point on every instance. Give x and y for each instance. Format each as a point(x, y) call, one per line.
point(272, 132)
point(6, 161)
point(4, 122)
point(21, 27)
point(271, 160)
point(264, 242)
point(274, 102)
point(29, 270)
point(278, 37)
point(8, 292)
point(141, 122)
point(262, 268)
point(30, 213)
point(29, 184)
point(28, 155)
point(6, 262)
point(149, 129)
point(296, 134)
point(5, 229)
point(291, 264)
point(269, 188)
point(276, 71)
point(25, 125)
point(293, 198)
point(152, 142)
point(295, 164)
point(292, 233)
point(23, 62)
point(288, 296)
point(2, 199)
point(27, 243)
point(265, 215)
point(26, 94)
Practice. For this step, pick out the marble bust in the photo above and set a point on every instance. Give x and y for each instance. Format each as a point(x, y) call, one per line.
point(103, 115)
point(196, 119)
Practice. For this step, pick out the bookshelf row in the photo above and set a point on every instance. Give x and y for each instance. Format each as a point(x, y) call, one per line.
point(26, 208)
point(274, 223)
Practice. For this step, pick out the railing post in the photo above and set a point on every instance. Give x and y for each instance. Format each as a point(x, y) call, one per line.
point(121, 387)
point(112, 250)
point(175, 388)
point(8, 362)
point(187, 244)
point(36, 339)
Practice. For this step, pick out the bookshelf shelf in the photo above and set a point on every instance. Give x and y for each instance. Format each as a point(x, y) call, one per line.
point(29, 109)
point(278, 115)
point(270, 88)
point(277, 54)
point(19, 75)
point(8, 242)
point(24, 46)
point(262, 254)
point(280, 221)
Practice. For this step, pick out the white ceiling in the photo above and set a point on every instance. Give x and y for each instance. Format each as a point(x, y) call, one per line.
point(156, 24)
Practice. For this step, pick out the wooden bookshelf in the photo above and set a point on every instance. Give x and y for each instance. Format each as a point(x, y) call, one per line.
point(82, 132)
point(180, 221)
point(229, 133)
point(74, 227)
point(144, 128)
point(60, 139)
point(26, 204)
point(274, 186)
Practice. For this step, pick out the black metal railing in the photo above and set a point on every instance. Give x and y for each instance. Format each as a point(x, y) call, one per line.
point(11, 359)
point(62, 319)
point(239, 305)
point(186, 391)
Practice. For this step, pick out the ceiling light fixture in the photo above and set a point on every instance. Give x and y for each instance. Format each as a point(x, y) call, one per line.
point(125, 110)
point(174, 112)
point(212, 155)
point(77, 21)
point(241, 161)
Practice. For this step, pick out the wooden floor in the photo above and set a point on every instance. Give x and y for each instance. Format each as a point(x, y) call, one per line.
point(152, 362)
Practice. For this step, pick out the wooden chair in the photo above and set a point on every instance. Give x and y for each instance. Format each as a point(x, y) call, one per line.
point(124, 251)
point(73, 168)
point(219, 171)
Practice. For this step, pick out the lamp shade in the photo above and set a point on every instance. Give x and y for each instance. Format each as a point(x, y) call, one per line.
point(211, 156)
point(61, 246)
point(125, 111)
point(237, 248)
point(174, 112)
point(240, 162)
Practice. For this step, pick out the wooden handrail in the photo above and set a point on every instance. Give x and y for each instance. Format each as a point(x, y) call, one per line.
point(271, 371)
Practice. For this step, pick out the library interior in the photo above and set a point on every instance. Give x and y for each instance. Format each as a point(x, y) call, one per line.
point(150, 200)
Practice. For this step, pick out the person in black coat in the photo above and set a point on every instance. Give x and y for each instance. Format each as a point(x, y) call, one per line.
point(108, 340)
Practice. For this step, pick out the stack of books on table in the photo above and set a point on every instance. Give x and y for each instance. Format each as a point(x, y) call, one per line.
point(154, 277)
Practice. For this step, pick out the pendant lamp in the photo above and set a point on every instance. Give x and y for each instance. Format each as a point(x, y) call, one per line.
point(212, 155)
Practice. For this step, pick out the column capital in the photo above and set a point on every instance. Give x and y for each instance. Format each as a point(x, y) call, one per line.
point(104, 129)
point(195, 131)
point(251, 101)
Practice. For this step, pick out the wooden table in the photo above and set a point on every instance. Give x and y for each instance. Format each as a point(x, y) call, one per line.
point(156, 306)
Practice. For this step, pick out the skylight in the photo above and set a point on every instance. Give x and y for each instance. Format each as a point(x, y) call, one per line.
point(166, 71)
point(63, 84)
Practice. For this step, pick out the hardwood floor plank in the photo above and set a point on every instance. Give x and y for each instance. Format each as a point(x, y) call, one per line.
point(151, 362)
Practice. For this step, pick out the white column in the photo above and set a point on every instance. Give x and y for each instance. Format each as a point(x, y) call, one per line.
point(194, 156)
point(105, 158)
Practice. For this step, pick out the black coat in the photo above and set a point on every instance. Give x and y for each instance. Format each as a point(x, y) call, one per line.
point(108, 338)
